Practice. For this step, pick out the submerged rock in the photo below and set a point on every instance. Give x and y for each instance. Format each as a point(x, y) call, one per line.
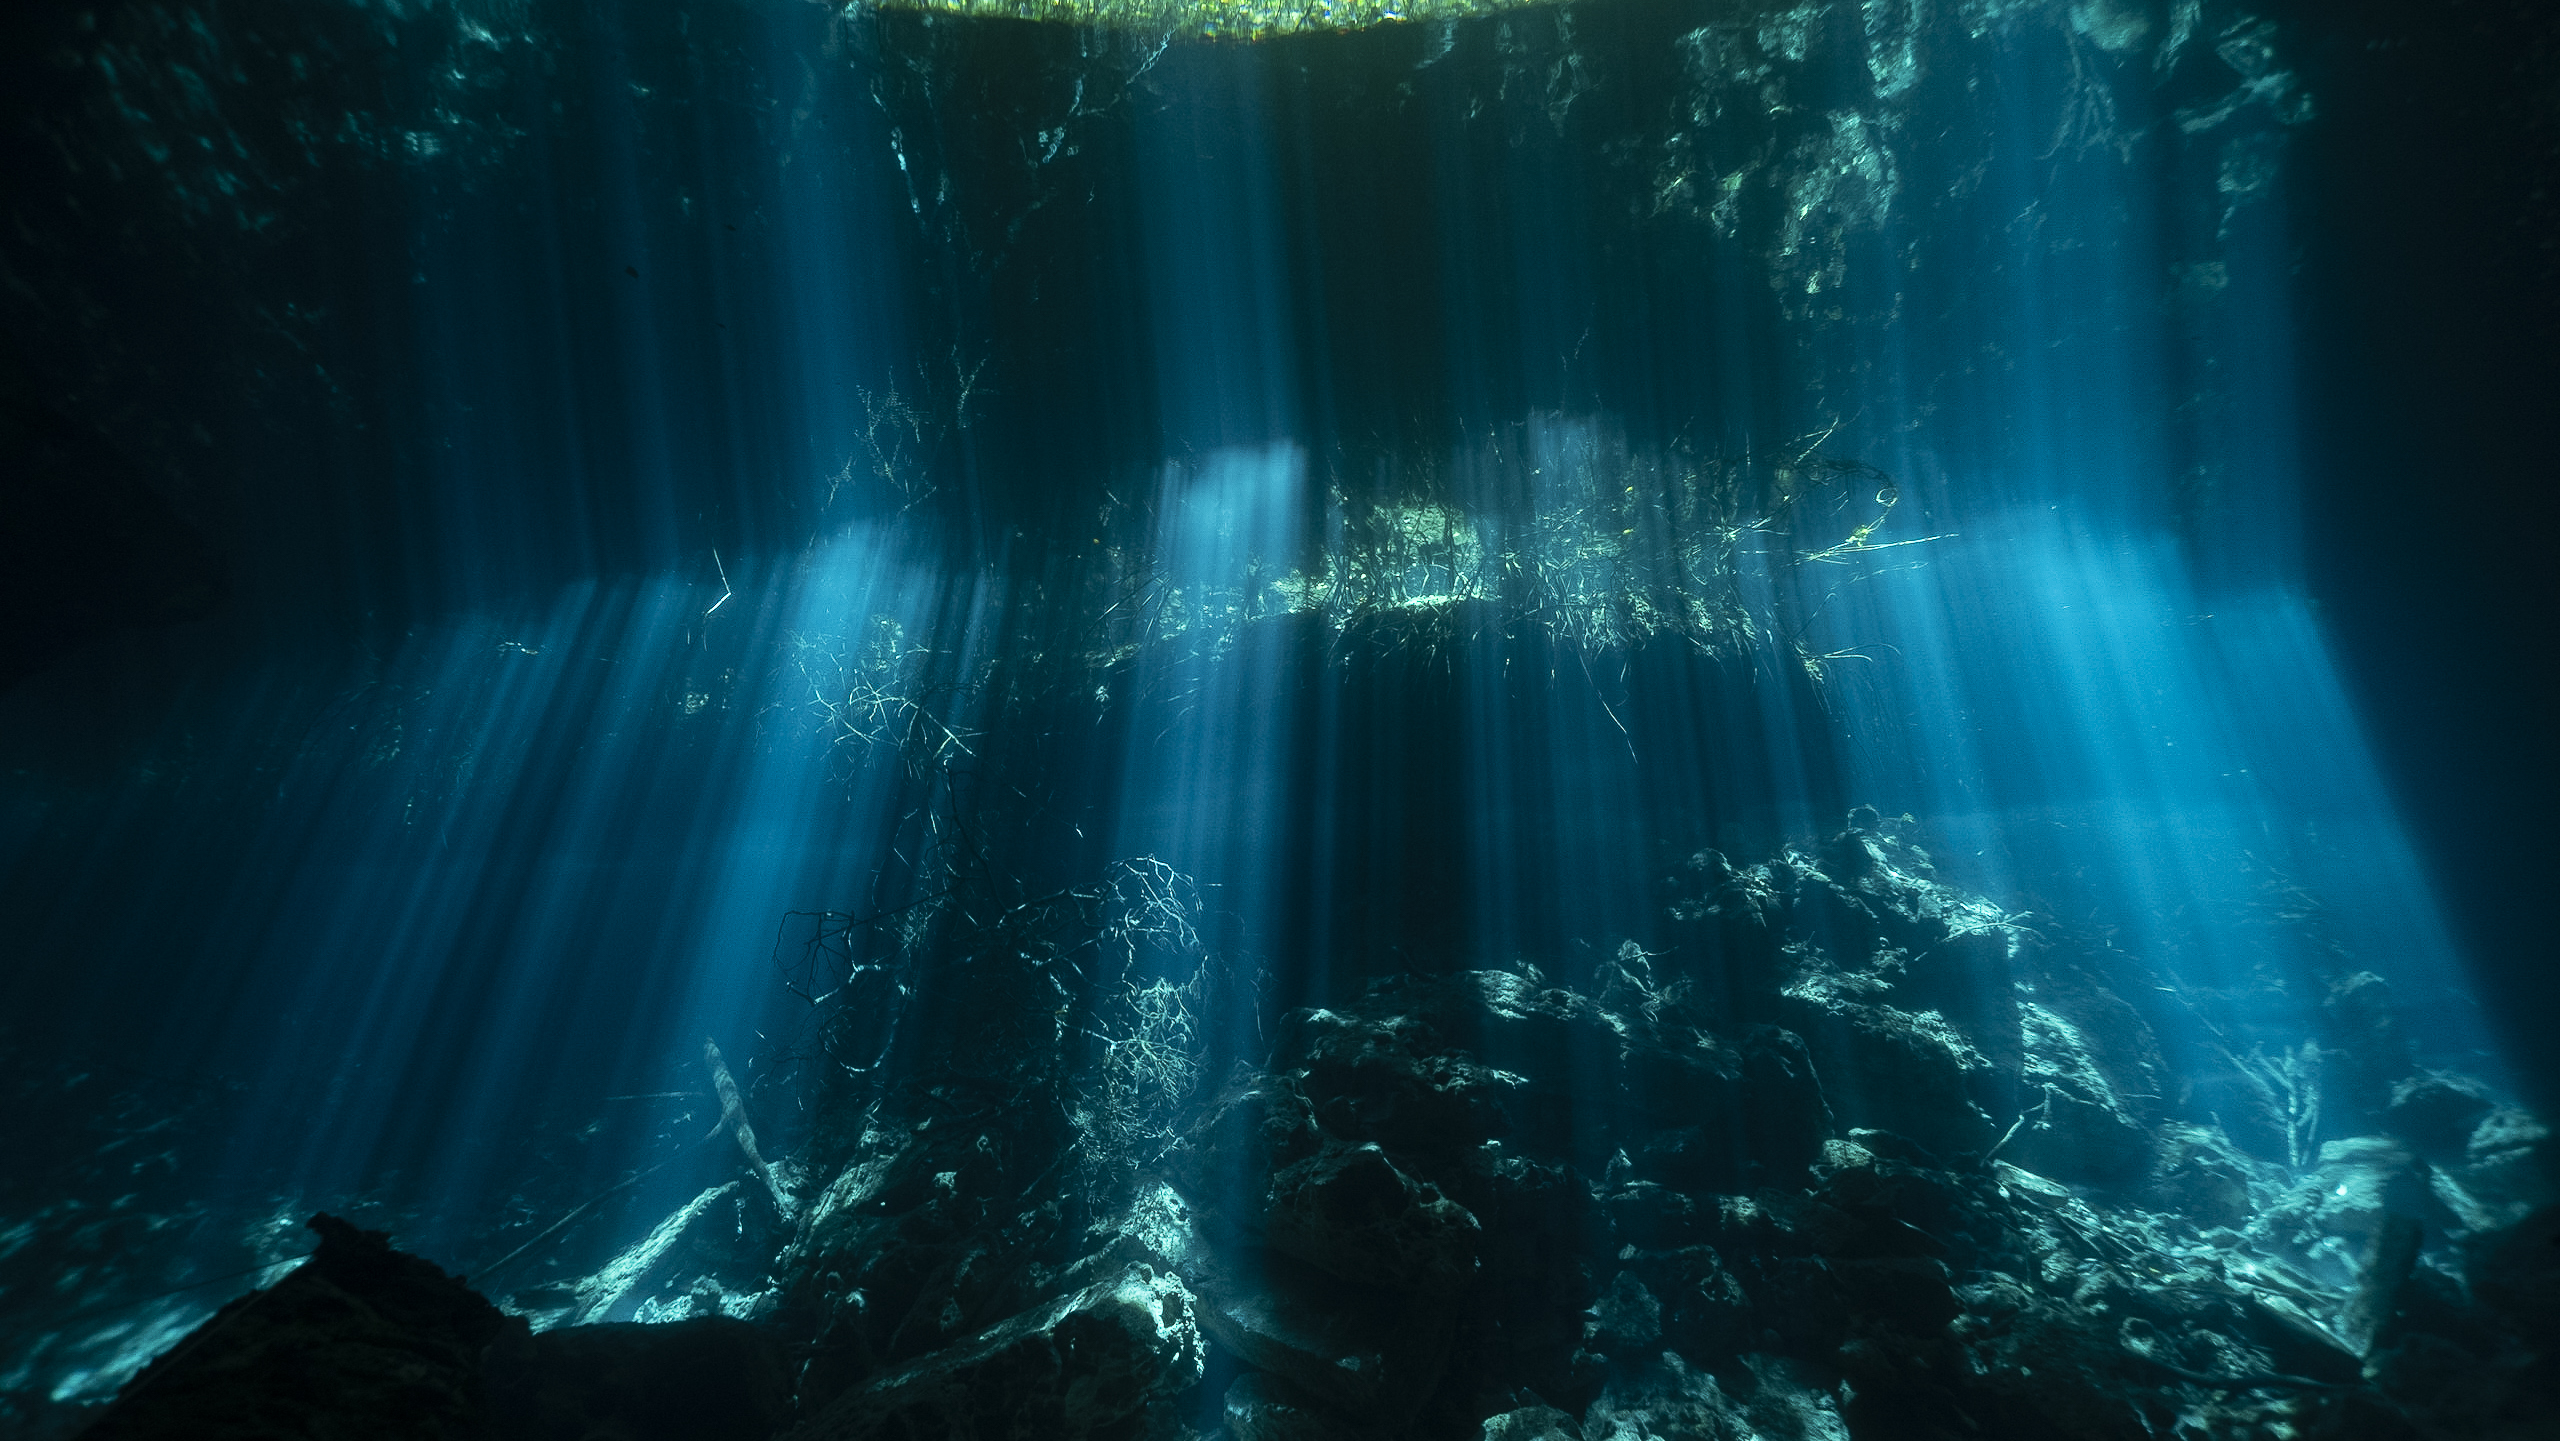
point(2435, 1114)
point(1906, 1170)
point(1348, 1211)
point(1531, 1423)
point(1262, 1407)
point(361, 1340)
point(706, 1379)
point(1084, 1365)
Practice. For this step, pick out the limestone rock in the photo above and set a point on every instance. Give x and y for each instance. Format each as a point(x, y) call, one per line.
point(706, 1379)
point(1357, 1349)
point(363, 1340)
point(1347, 1210)
point(2079, 1126)
point(1262, 1407)
point(1531, 1423)
point(1345, 1349)
point(2435, 1114)
point(1085, 1365)
point(2509, 1169)
point(1894, 1070)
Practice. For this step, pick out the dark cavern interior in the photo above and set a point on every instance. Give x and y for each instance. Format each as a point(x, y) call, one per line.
point(1259, 720)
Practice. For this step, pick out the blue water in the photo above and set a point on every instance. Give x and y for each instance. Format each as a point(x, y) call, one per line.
point(682, 475)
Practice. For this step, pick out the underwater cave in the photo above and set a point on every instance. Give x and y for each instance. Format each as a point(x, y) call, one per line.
point(1238, 720)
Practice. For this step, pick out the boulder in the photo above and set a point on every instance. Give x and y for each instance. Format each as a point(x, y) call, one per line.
point(361, 1340)
point(1894, 1070)
point(1670, 1400)
point(2358, 1182)
point(1345, 1348)
point(1784, 1114)
point(2435, 1114)
point(2516, 1274)
point(1087, 1364)
point(1349, 1212)
point(1531, 1423)
point(2197, 1173)
point(1705, 1312)
point(1626, 1321)
point(2373, 1054)
point(2508, 1170)
point(1223, 1163)
point(1262, 1407)
point(706, 1379)
point(1362, 1351)
point(2079, 1127)
point(1384, 1073)
point(1970, 978)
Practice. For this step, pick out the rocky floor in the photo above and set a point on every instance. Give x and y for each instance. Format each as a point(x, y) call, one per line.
point(1852, 1154)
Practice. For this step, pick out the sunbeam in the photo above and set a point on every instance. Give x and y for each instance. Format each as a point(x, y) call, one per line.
point(1643, 719)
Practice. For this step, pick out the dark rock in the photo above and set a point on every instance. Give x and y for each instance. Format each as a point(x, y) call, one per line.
point(2197, 1173)
point(711, 1378)
point(970, 1283)
point(2389, 1261)
point(2329, 1218)
point(1531, 1423)
point(1770, 1396)
point(2509, 1169)
point(1655, 1217)
point(1885, 1145)
point(1834, 919)
point(1892, 1070)
point(1799, 1303)
point(2373, 1054)
point(1667, 1401)
point(1363, 1351)
point(1910, 1293)
point(1260, 1407)
point(1223, 1163)
point(2296, 1344)
point(1970, 977)
point(362, 1340)
point(1089, 1364)
point(1707, 1314)
point(1348, 1349)
point(1725, 931)
point(2090, 1080)
point(1521, 1325)
point(1700, 1160)
point(1626, 1321)
point(2436, 1113)
point(2050, 1368)
point(2080, 1128)
point(1784, 1115)
point(914, 1246)
point(2517, 1276)
point(1347, 1210)
point(1383, 1074)
point(2248, 1110)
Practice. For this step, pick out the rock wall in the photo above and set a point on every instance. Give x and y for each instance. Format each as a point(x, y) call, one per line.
point(1854, 1154)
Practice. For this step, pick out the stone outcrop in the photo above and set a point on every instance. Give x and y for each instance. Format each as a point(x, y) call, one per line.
point(1851, 1155)
point(1104, 1361)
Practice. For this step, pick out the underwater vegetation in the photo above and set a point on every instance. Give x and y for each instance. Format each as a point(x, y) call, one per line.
point(1252, 722)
